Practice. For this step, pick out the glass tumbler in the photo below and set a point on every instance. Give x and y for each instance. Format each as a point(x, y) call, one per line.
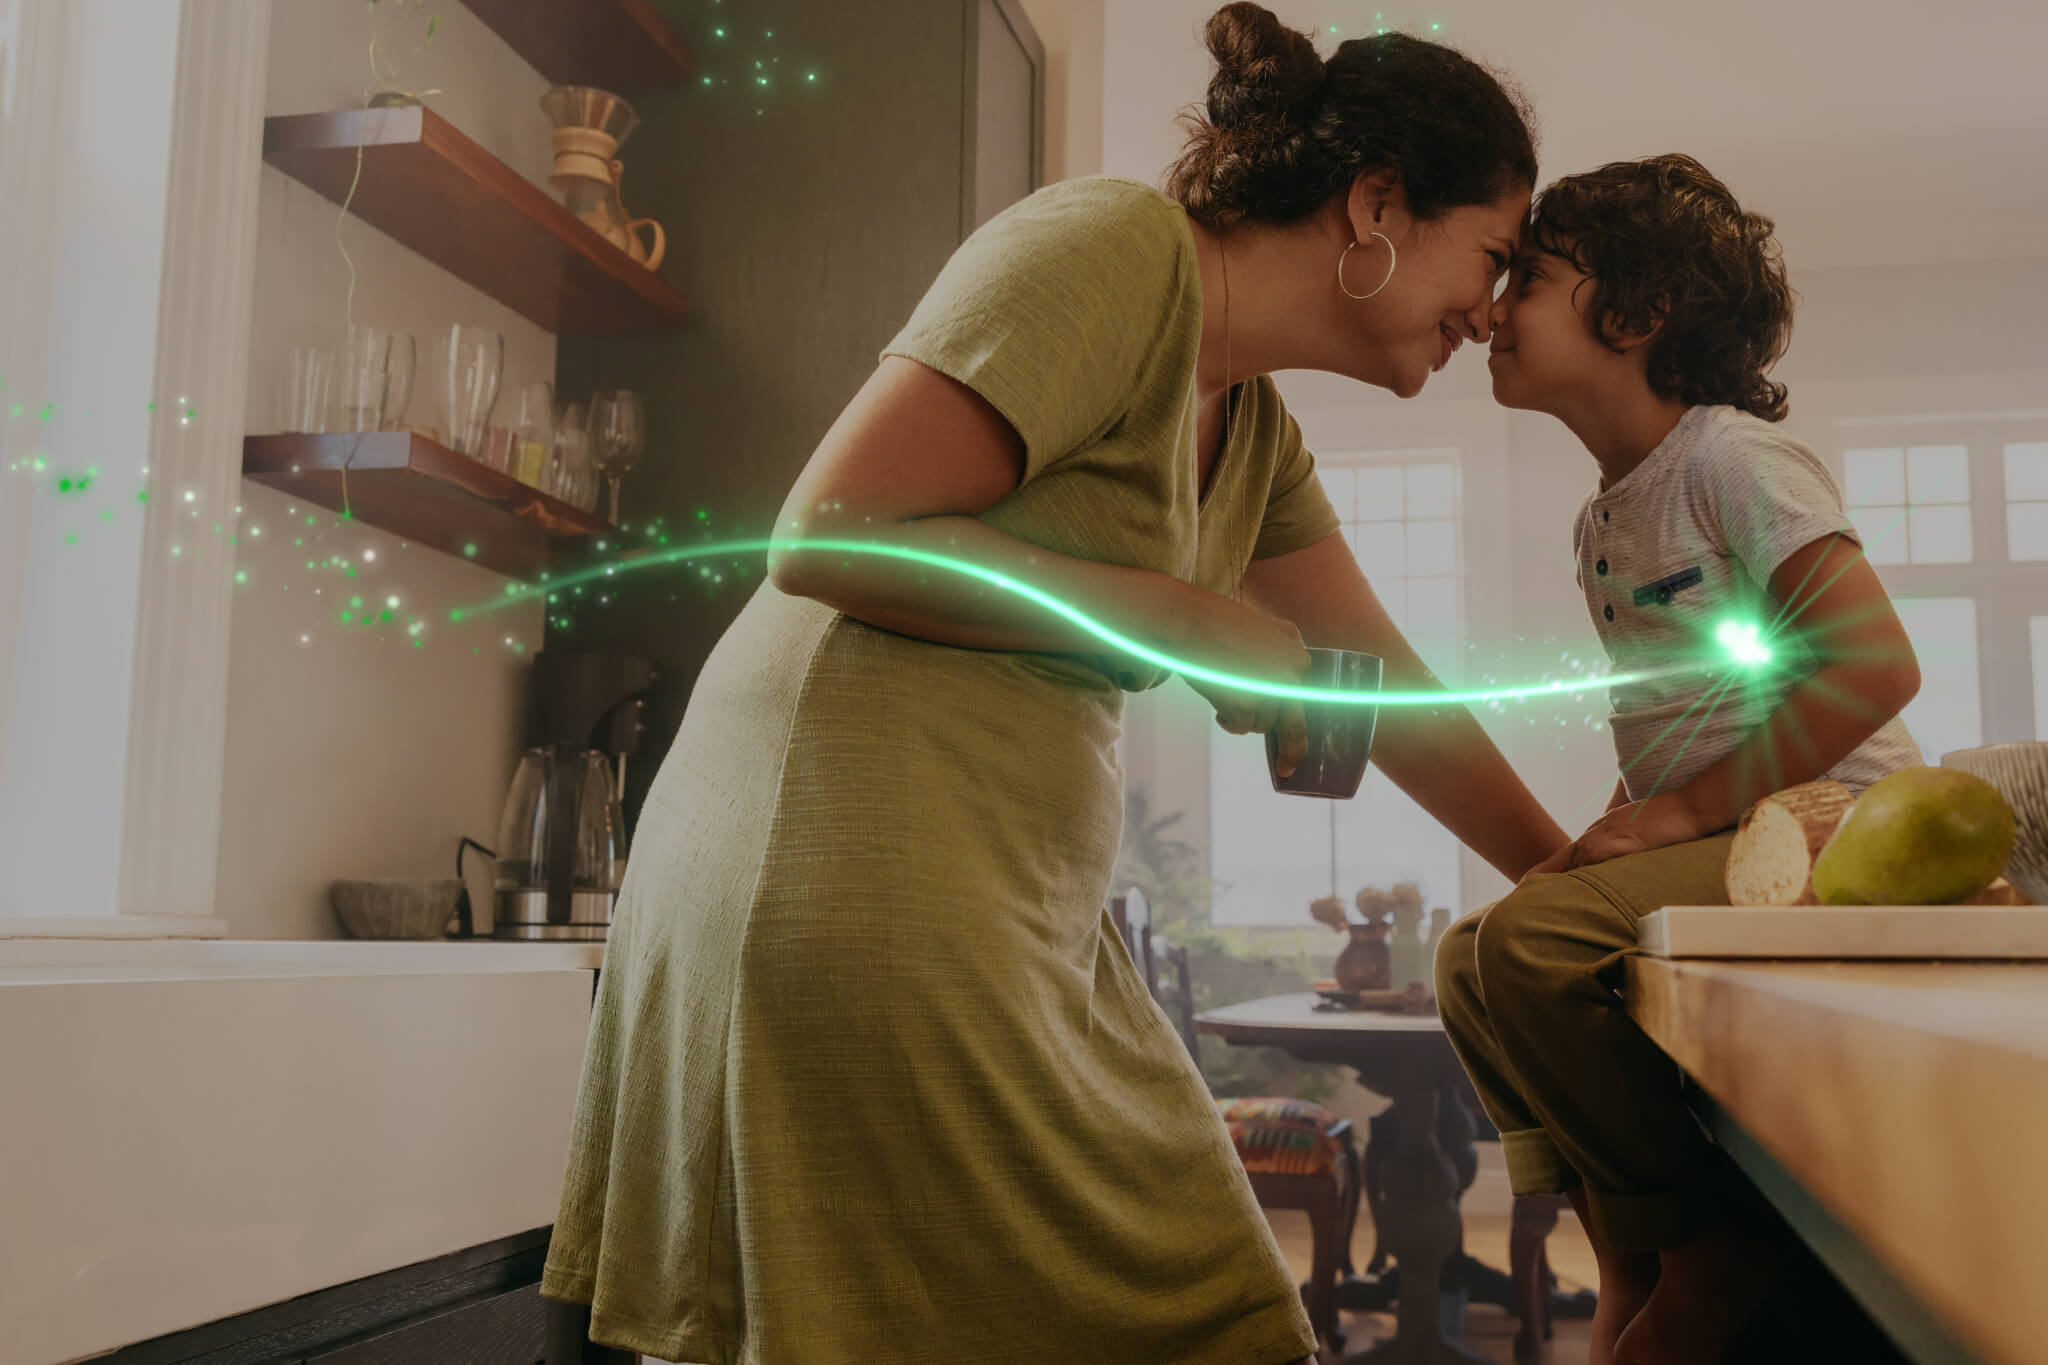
point(305, 395)
point(476, 363)
point(376, 379)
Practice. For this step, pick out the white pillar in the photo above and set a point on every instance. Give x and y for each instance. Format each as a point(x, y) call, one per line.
point(134, 137)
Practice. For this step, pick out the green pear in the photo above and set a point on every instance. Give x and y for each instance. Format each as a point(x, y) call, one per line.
point(1923, 836)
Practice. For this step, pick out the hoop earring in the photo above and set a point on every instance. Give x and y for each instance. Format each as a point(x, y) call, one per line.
point(1392, 260)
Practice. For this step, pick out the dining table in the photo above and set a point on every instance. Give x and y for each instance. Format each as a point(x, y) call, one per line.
point(1407, 1058)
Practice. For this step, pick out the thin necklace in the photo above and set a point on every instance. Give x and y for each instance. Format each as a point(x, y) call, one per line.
point(1223, 259)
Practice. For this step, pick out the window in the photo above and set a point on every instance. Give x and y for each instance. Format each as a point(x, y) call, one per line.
point(2026, 502)
point(2039, 628)
point(1271, 854)
point(1948, 714)
point(1910, 504)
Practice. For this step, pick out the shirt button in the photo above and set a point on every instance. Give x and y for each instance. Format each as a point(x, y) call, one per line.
point(1601, 568)
point(1603, 514)
point(1610, 611)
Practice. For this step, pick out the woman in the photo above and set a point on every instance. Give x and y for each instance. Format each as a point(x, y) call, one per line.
point(870, 1079)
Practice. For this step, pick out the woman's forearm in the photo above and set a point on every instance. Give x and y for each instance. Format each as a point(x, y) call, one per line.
point(931, 602)
point(1437, 754)
point(1442, 758)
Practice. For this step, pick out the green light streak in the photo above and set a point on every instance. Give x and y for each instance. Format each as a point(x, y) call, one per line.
point(516, 592)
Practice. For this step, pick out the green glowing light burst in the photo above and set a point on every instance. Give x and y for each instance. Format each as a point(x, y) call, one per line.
point(1743, 641)
point(518, 592)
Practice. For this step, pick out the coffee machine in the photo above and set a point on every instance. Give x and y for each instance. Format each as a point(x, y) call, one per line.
point(562, 839)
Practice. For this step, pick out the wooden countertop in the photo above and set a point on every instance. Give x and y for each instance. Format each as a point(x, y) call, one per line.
point(1907, 1098)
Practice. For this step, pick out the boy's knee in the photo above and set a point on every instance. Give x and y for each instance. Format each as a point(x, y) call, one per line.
point(1508, 949)
point(1457, 960)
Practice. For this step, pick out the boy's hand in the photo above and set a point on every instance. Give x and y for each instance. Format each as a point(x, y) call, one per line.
point(1636, 827)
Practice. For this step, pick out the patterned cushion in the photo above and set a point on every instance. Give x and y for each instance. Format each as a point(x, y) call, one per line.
point(1281, 1136)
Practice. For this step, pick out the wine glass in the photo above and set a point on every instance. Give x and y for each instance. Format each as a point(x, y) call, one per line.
point(618, 435)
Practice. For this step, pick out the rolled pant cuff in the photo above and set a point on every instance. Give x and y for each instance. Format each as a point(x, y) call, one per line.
point(1535, 1166)
point(1632, 1223)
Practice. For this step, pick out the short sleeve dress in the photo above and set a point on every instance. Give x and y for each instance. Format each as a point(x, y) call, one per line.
point(870, 1077)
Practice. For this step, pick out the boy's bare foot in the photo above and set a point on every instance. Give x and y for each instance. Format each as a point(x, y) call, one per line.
point(1706, 1291)
point(1626, 1281)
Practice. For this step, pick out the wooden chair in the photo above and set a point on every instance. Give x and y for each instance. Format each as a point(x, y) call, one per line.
point(1298, 1155)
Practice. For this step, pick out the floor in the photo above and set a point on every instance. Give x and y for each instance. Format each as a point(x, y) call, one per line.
point(1487, 1206)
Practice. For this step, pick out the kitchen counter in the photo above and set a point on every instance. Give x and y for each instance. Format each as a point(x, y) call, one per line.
point(194, 1129)
point(165, 959)
point(1903, 1098)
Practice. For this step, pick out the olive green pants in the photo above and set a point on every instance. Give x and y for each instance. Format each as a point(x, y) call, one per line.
point(1529, 989)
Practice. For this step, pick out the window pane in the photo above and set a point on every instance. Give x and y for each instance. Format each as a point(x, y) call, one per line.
point(1433, 490)
point(1434, 600)
point(1381, 548)
point(1940, 535)
point(2026, 530)
point(1339, 484)
point(1948, 713)
point(1432, 548)
point(1379, 492)
point(1884, 533)
point(1393, 595)
point(2039, 626)
point(1384, 838)
point(1270, 854)
point(1874, 476)
point(2026, 471)
point(1938, 474)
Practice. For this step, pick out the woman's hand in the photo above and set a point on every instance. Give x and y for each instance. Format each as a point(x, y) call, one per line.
point(1635, 827)
point(1234, 638)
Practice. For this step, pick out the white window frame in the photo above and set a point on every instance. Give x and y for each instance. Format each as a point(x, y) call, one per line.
point(2008, 593)
point(156, 807)
point(1405, 457)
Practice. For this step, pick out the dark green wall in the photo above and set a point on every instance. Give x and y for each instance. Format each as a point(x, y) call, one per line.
point(803, 235)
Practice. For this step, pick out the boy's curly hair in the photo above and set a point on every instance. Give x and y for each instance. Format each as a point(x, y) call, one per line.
point(1664, 241)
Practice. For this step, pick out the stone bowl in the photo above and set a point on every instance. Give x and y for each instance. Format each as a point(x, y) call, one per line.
point(2020, 773)
point(395, 909)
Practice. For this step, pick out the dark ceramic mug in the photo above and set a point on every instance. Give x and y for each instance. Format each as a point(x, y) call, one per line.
point(1339, 733)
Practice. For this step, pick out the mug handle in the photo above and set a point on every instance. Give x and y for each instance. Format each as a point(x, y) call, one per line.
point(660, 247)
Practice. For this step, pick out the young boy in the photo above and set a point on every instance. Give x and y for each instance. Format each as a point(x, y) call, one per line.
point(1644, 312)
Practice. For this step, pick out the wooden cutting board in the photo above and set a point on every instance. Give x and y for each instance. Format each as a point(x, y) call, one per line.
point(1842, 932)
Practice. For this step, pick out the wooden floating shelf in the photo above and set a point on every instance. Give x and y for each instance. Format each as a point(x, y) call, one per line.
point(624, 46)
point(428, 185)
point(425, 492)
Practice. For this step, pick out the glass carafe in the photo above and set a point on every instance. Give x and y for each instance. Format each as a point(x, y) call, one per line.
point(561, 844)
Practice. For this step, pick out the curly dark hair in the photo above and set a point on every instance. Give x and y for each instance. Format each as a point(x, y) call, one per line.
point(1283, 131)
point(1664, 241)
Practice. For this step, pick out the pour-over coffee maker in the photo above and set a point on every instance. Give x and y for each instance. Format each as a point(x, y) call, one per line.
point(590, 127)
point(561, 839)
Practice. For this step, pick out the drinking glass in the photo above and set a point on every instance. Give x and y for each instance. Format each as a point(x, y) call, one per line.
point(571, 476)
point(306, 394)
point(376, 378)
point(476, 362)
point(533, 431)
point(618, 434)
point(1339, 733)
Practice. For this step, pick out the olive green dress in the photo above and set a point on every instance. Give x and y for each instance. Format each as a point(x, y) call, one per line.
point(871, 1079)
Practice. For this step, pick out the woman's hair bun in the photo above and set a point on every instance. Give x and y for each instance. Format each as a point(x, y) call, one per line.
point(1284, 132)
point(1264, 69)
